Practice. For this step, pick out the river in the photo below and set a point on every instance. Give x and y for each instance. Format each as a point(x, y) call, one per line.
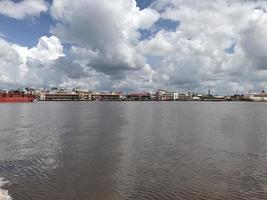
point(133, 150)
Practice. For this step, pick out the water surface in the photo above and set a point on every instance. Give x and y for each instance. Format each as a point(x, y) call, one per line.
point(133, 150)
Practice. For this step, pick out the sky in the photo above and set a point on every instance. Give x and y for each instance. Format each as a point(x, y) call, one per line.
point(134, 45)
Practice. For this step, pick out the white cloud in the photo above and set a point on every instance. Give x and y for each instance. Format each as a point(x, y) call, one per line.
point(218, 44)
point(22, 9)
point(159, 45)
point(148, 17)
point(42, 65)
point(47, 49)
point(108, 28)
point(9, 63)
point(195, 55)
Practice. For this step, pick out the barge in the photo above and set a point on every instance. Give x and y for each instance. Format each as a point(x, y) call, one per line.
point(15, 97)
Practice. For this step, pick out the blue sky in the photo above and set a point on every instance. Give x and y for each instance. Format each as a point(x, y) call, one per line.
point(27, 32)
point(144, 3)
point(126, 45)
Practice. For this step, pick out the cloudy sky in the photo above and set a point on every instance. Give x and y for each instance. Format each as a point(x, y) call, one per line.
point(125, 45)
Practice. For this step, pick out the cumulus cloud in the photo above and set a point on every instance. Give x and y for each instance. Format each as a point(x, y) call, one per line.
point(47, 49)
point(215, 44)
point(43, 65)
point(107, 28)
point(22, 9)
point(218, 45)
point(9, 64)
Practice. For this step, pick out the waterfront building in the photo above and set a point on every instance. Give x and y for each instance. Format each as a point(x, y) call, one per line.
point(85, 96)
point(163, 95)
point(183, 97)
point(62, 97)
point(159, 94)
point(40, 95)
point(259, 97)
point(62, 94)
point(236, 97)
point(248, 96)
point(145, 96)
point(168, 96)
point(153, 97)
point(107, 96)
point(175, 96)
point(220, 98)
point(196, 98)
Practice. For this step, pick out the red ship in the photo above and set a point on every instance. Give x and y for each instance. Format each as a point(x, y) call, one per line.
point(15, 97)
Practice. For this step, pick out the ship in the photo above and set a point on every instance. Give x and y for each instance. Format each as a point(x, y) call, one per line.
point(15, 97)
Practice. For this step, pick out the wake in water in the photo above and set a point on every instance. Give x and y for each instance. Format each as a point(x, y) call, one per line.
point(4, 193)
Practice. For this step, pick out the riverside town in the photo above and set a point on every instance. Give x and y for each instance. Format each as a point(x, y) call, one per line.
point(62, 94)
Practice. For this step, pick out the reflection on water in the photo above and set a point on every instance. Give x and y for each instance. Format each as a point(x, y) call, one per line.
point(134, 150)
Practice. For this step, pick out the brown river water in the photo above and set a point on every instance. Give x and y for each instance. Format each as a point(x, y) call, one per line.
point(133, 150)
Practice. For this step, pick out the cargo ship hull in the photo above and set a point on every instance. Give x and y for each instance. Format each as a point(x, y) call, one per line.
point(16, 98)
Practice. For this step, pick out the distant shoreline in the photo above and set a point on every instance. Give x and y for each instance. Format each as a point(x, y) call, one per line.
point(217, 101)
